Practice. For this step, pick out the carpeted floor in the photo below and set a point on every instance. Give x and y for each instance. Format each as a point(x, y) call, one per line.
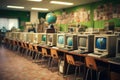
point(16, 67)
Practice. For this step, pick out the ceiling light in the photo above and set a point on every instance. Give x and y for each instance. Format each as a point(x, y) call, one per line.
point(59, 2)
point(43, 9)
point(35, 0)
point(18, 7)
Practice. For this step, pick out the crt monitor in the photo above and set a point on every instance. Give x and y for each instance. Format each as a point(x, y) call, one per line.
point(24, 37)
point(118, 48)
point(105, 45)
point(86, 42)
point(71, 41)
point(30, 37)
point(51, 39)
point(37, 38)
point(61, 40)
point(43, 38)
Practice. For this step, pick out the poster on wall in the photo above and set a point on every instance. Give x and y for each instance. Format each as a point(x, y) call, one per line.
point(107, 12)
point(81, 15)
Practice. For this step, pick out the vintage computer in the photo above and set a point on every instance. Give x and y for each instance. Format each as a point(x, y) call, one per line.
point(71, 41)
point(86, 43)
point(104, 46)
point(117, 55)
point(61, 38)
point(51, 39)
point(24, 36)
point(36, 38)
point(30, 38)
point(43, 39)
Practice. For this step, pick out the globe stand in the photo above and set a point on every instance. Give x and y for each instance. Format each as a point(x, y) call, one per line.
point(50, 29)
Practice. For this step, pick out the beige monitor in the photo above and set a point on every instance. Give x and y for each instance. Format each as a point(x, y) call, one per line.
point(105, 45)
point(51, 39)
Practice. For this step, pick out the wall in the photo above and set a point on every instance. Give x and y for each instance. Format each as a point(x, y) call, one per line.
point(23, 16)
point(91, 23)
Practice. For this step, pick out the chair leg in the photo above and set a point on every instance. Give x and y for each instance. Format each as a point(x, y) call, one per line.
point(91, 73)
point(98, 76)
point(49, 61)
point(67, 69)
point(75, 72)
point(87, 74)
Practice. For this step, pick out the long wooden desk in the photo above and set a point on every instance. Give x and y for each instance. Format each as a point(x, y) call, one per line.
point(113, 66)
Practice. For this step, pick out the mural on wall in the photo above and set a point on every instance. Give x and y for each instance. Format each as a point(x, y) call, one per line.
point(81, 15)
point(107, 12)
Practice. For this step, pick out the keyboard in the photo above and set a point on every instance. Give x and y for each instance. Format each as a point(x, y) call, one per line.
point(55, 47)
point(97, 55)
point(94, 55)
point(115, 59)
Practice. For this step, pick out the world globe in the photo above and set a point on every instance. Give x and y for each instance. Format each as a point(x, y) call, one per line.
point(51, 18)
point(101, 43)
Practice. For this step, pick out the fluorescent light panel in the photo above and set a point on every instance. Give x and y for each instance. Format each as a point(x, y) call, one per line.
point(18, 7)
point(62, 3)
point(35, 0)
point(42, 9)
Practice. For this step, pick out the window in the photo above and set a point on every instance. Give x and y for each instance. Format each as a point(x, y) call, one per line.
point(8, 23)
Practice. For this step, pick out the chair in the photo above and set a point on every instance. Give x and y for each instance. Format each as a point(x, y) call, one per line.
point(45, 55)
point(38, 53)
point(55, 57)
point(91, 65)
point(71, 61)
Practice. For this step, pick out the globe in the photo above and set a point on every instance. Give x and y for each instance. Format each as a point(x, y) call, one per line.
point(101, 43)
point(51, 18)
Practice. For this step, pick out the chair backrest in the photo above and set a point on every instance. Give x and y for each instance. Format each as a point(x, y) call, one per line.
point(21, 44)
point(70, 59)
point(30, 46)
point(36, 48)
point(91, 63)
point(54, 53)
point(44, 52)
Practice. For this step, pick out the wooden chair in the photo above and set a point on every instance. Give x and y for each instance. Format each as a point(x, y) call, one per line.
point(55, 57)
point(45, 55)
point(91, 65)
point(37, 52)
point(71, 61)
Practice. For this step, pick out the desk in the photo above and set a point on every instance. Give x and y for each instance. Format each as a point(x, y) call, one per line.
point(113, 66)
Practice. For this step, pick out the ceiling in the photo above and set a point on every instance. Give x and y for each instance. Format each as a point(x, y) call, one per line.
point(42, 4)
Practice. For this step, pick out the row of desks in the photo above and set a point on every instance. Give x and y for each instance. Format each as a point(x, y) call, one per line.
point(106, 62)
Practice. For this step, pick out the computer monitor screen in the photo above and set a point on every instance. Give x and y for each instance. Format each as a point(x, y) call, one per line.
point(44, 37)
point(50, 38)
point(82, 41)
point(69, 41)
point(100, 43)
point(61, 39)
